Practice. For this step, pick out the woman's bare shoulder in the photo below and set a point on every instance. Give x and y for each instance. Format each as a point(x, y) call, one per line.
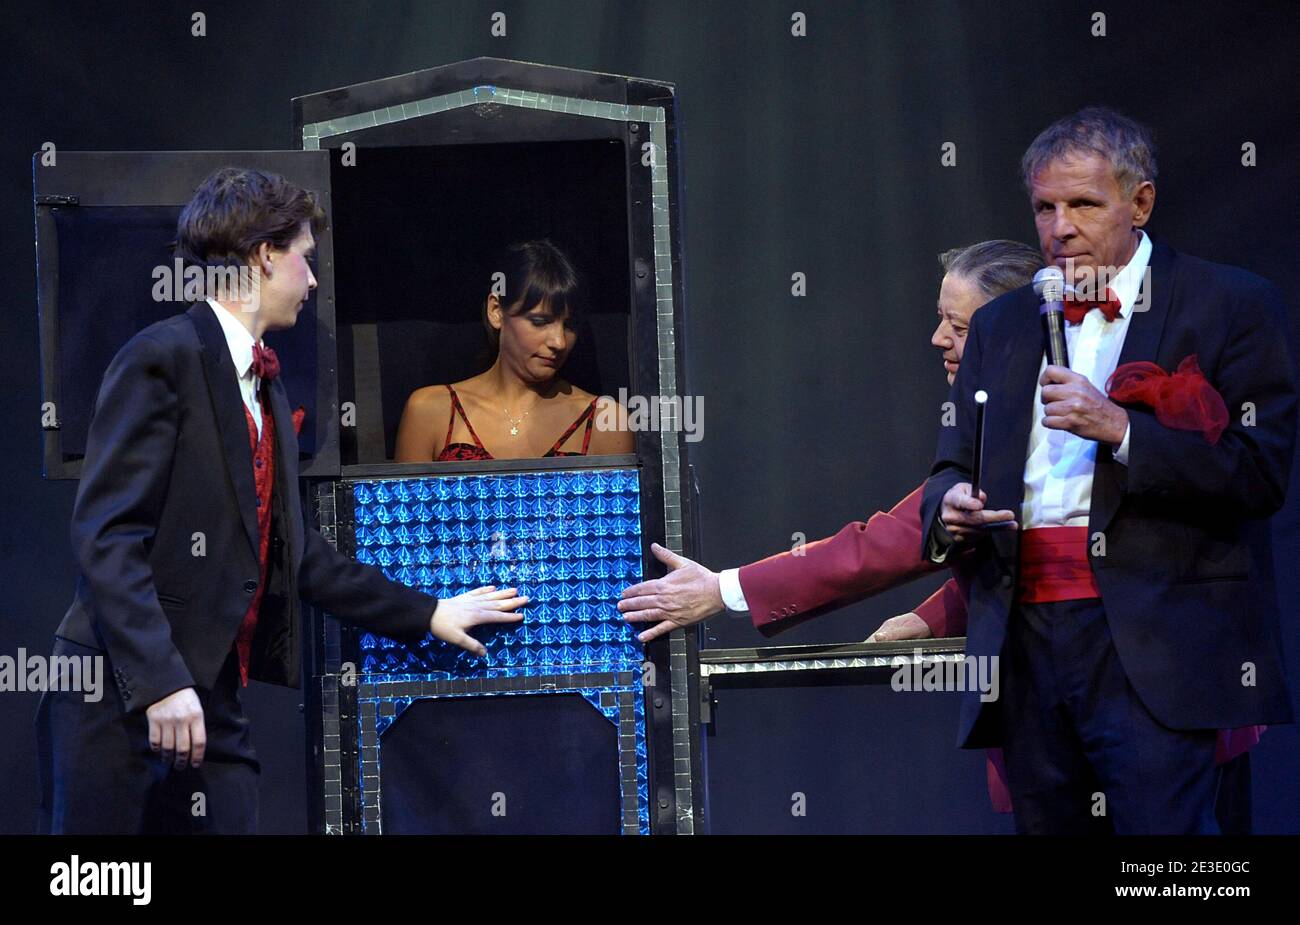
point(612, 435)
point(428, 399)
point(580, 398)
point(609, 407)
point(419, 433)
point(605, 402)
point(474, 388)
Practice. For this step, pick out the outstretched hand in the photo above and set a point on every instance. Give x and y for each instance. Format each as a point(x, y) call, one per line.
point(457, 615)
point(688, 594)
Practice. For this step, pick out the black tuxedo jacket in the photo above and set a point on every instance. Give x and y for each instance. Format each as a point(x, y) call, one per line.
point(164, 529)
point(1187, 575)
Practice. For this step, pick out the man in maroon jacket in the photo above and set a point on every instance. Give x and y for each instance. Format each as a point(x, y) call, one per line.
point(862, 559)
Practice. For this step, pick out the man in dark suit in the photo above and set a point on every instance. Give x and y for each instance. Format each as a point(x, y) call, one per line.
point(192, 553)
point(1119, 561)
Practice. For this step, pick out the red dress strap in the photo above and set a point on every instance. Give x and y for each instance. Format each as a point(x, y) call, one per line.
point(588, 416)
point(591, 419)
point(456, 408)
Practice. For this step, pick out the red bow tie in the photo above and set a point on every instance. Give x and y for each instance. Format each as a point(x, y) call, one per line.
point(265, 363)
point(1075, 309)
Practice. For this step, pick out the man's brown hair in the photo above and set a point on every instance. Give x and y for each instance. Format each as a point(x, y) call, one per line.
point(1127, 144)
point(237, 208)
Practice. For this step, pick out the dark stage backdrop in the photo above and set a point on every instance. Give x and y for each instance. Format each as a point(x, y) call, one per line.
point(817, 155)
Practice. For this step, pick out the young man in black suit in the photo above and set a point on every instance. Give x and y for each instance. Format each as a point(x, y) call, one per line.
point(188, 533)
point(1130, 591)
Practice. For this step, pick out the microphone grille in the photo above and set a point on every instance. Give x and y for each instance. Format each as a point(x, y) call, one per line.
point(1049, 284)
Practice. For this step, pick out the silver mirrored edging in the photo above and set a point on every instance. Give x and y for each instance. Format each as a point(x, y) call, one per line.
point(312, 132)
point(768, 666)
point(654, 117)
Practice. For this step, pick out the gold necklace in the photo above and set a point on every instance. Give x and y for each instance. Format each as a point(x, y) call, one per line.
point(514, 423)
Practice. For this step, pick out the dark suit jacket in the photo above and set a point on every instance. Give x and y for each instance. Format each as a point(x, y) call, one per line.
point(1187, 576)
point(168, 475)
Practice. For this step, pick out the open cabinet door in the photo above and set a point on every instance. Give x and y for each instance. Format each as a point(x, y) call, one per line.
point(104, 223)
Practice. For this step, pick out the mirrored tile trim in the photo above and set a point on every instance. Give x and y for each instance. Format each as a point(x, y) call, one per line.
point(618, 696)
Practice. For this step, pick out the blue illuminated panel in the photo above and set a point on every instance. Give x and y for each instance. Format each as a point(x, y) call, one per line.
point(570, 541)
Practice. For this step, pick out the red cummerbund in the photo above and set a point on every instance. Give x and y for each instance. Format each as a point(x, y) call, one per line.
point(1054, 565)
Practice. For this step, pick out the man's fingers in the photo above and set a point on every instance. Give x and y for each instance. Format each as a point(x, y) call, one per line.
point(992, 516)
point(654, 632)
point(644, 589)
point(1058, 420)
point(974, 518)
point(642, 602)
point(1057, 374)
point(969, 502)
point(182, 758)
point(485, 589)
point(648, 615)
point(668, 557)
point(961, 518)
point(168, 741)
point(963, 524)
point(155, 735)
point(198, 742)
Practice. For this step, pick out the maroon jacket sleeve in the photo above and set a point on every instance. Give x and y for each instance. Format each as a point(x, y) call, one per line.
point(861, 560)
point(944, 611)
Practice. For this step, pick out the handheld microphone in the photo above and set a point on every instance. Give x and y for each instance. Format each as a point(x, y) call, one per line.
point(1049, 285)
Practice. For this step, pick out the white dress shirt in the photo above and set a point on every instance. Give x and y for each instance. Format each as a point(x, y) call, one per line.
point(1059, 465)
point(240, 342)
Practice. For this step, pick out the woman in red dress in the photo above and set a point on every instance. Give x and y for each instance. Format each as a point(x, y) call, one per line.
point(522, 408)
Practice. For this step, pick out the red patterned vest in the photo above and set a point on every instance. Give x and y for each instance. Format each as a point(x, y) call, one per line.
point(263, 481)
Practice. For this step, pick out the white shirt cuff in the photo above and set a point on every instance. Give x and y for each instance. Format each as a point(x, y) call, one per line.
point(1121, 452)
point(729, 585)
point(935, 550)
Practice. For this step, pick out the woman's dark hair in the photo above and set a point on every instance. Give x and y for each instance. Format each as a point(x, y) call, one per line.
point(237, 208)
point(535, 273)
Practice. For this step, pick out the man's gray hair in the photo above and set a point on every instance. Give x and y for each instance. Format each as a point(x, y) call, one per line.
point(995, 267)
point(1127, 144)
